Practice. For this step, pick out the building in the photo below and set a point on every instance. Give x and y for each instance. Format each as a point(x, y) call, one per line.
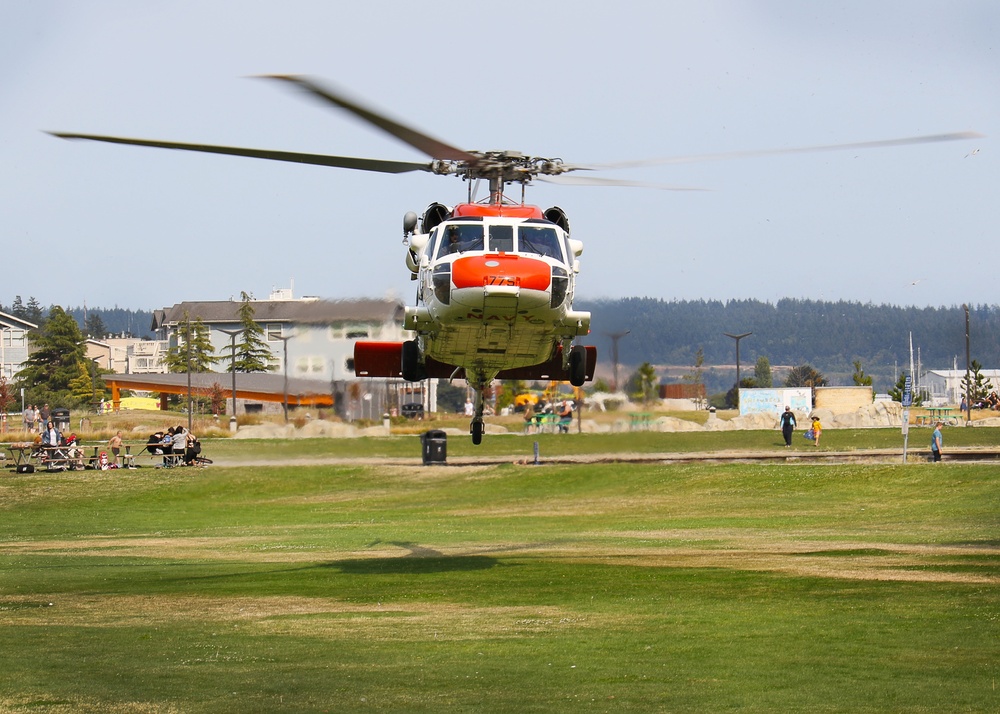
point(944, 386)
point(14, 344)
point(318, 337)
point(129, 355)
point(319, 334)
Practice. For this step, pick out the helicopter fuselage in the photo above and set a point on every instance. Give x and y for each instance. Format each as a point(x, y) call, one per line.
point(495, 289)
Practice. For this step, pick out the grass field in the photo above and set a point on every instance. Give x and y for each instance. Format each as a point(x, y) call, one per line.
point(701, 588)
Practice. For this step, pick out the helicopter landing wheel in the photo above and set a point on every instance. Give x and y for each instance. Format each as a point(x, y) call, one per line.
point(477, 431)
point(578, 366)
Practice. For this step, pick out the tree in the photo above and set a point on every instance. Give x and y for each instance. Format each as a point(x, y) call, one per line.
point(217, 399)
point(34, 313)
point(59, 350)
point(805, 376)
point(94, 327)
point(762, 373)
point(252, 352)
point(18, 310)
point(6, 397)
point(859, 377)
point(83, 387)
point(199, 356)
point(975, 384)
point(645, 381)
point(696, 377)
point(896, 393)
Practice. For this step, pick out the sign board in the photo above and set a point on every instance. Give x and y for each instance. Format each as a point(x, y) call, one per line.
point(907, 392)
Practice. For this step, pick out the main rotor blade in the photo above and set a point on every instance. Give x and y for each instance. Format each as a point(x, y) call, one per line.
point(597, 181)
point(928, 139)
point(343, 162)
point(434, 148)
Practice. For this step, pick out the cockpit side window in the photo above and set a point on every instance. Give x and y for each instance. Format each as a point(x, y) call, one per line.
point(502, 239)
point(432, 245)
point(459, 239)
point(541, 241)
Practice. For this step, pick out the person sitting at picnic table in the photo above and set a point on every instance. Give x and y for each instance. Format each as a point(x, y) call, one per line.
point(167, 445)
point(51, 436)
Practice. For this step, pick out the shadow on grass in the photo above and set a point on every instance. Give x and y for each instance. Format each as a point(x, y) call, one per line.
point(419, 560)
point(413, 565)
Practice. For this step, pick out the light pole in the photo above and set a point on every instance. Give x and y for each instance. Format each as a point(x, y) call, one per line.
point(187, 346)
point(738, 338)
point(285, 339)
point(232, 368)
point(615, 336)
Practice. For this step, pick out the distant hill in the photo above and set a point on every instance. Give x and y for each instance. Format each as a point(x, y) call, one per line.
point(830, 336)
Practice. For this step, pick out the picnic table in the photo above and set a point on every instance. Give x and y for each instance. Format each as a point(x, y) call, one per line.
point(936, 414)
point(21, 452)
point(640, 421)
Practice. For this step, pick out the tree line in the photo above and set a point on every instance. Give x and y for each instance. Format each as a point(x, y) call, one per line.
point(829, 336)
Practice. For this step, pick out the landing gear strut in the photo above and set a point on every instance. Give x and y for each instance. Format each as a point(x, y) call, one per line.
point(476, 428)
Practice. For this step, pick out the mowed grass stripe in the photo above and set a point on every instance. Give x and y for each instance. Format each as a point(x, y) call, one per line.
point(506, 588)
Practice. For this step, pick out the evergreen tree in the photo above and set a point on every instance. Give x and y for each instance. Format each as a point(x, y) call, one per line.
point(58, 350)
point(646, 382)
point(17, 309)
point(762, 373)
point(201, 355)
point(859, 377)
point(94, 326)
point(252, 354)
point(34, 313)
point(975, 384)
point(82, 387)
point(896, 393)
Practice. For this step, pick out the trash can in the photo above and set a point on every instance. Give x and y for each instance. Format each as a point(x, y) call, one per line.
point(60, 420)
point(435, 446)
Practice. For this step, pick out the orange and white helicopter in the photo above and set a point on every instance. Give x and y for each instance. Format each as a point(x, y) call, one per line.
point(495, 278)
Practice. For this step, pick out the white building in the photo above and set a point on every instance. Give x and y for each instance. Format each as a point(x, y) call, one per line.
point(14, 344)
point(944, 386)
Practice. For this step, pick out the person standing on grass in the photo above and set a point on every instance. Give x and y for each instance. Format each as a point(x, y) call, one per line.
point(787, 423)
point(817, 430)
point(115, 444)
point(936, 441)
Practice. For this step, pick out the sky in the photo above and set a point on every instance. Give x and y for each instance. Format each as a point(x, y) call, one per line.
point(584, 81)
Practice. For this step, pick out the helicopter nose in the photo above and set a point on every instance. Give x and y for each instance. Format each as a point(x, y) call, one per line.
point(478, 271)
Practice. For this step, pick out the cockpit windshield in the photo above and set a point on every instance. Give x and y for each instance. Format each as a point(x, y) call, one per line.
point(462, 238)
point(539, 240)
point(498, 238)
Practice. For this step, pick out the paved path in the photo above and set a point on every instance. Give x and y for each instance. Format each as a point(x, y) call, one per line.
point(796, 456)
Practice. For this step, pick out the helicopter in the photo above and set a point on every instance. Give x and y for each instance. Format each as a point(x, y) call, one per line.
point(495, 278)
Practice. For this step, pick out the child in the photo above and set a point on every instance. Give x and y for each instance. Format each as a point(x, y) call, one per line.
point(817, 430)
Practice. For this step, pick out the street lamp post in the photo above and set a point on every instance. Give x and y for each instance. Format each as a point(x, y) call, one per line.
point(738, 338)
point(187, 345)
point(285, 339)
point(232, 368)
point(615, 336)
